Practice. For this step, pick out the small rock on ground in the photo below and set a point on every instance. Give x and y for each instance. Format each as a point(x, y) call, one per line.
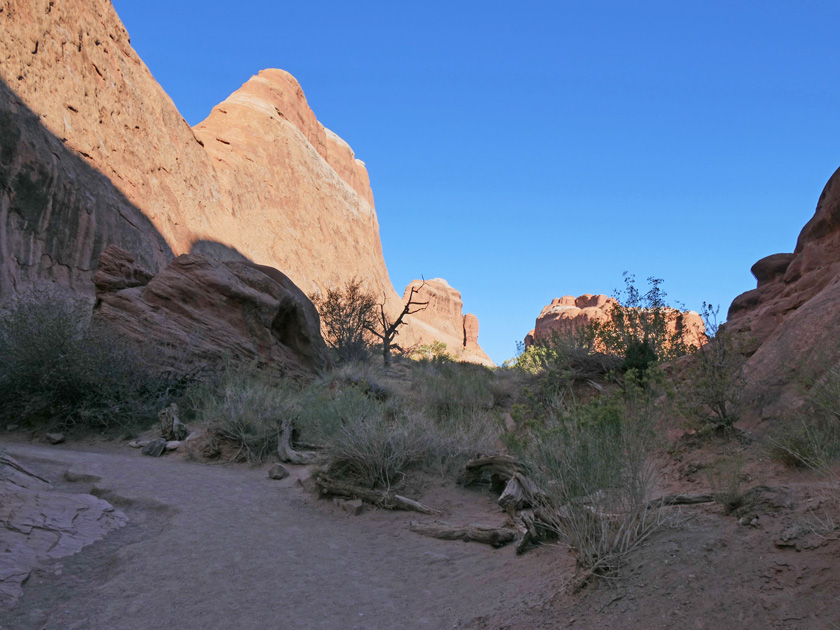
point(353, 507)
point(54, 438)
point(172, 445)
point(155, 448)
point(278, 471)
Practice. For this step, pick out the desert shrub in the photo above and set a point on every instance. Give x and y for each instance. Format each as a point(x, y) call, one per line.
point(377, 441)
point(568, 356)
point(640, 327)
point(59, 368)
point(725, 479)
point(325, 410)
point(710, 388)
point(347, 314)
point(595, 461)
point(243, 410)
point(435, 351)
point(379, 449)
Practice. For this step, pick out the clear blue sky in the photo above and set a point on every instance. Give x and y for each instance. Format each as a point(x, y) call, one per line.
point(529, 150)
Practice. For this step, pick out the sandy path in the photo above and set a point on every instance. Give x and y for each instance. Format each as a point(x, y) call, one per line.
point(225, 547)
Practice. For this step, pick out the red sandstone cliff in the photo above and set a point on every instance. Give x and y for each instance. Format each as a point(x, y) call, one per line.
point(443, 320)
point(260, 178)
point(790, 321)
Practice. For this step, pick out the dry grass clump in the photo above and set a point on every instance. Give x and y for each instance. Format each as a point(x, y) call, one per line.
point(375, 442)
point(812, 440)
point(244, 410)
point(596, 463)
point(726, 478)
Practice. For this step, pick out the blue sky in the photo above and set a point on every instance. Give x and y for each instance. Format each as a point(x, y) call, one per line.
point(529, 150)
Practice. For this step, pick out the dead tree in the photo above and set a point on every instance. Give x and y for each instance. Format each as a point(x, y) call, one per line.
point(386, 330)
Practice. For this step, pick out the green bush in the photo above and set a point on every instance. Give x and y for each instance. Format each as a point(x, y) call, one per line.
point(639, 328)
point(57, 368)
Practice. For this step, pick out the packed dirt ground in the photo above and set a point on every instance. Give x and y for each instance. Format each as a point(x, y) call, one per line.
point(224, 546)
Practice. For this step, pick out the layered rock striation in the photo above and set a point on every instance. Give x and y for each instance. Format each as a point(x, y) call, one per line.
point(789, 322)
point(94, 153)
point(198, 311)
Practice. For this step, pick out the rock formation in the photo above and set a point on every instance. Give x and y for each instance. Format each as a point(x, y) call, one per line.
point(39, 524)
point(789, 322)
point(199, 310)
point(443, 320)
point(95, 153)
point(568, 314)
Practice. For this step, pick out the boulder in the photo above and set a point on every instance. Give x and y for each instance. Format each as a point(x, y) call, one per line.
point(278, 471)
point(54, 438)
point(199, 311)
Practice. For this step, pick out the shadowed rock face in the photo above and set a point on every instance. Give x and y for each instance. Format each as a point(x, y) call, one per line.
point(568, 314)
point(789, 322)
point(260, 176)
point(199, 311)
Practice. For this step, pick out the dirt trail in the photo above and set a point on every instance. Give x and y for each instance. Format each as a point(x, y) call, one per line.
point(225, 547)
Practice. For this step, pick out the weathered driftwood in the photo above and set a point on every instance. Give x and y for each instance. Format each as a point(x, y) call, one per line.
point(387, 500)
point(287, 453)
point(487, 534)
point(680, 499)
point(497, 469)
point(519, 493)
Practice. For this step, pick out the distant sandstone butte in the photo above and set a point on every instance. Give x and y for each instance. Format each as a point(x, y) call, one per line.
point(569, 313)
point(259, 179)
point(790, 321)
point(444, 320)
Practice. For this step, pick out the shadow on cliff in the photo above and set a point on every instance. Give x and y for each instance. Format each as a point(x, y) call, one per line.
point(58, 214)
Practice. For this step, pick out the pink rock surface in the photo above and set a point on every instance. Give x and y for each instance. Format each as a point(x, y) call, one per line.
point(789, 322)
point(96, 153)
point(199, 311)
point(443, 320)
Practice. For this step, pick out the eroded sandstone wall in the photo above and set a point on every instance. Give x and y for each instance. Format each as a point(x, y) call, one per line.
point(94, 153)
point(790, 321)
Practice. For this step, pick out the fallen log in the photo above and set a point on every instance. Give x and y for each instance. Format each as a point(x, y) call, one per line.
point(287, 453)
point(520, 492)
point(383, 499)
point(486, 534)
point(498, 469)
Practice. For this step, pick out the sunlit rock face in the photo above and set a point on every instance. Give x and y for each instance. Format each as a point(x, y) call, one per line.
point(569, 314)
point(94, 152)
point(443, 320)
point(790, 321)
